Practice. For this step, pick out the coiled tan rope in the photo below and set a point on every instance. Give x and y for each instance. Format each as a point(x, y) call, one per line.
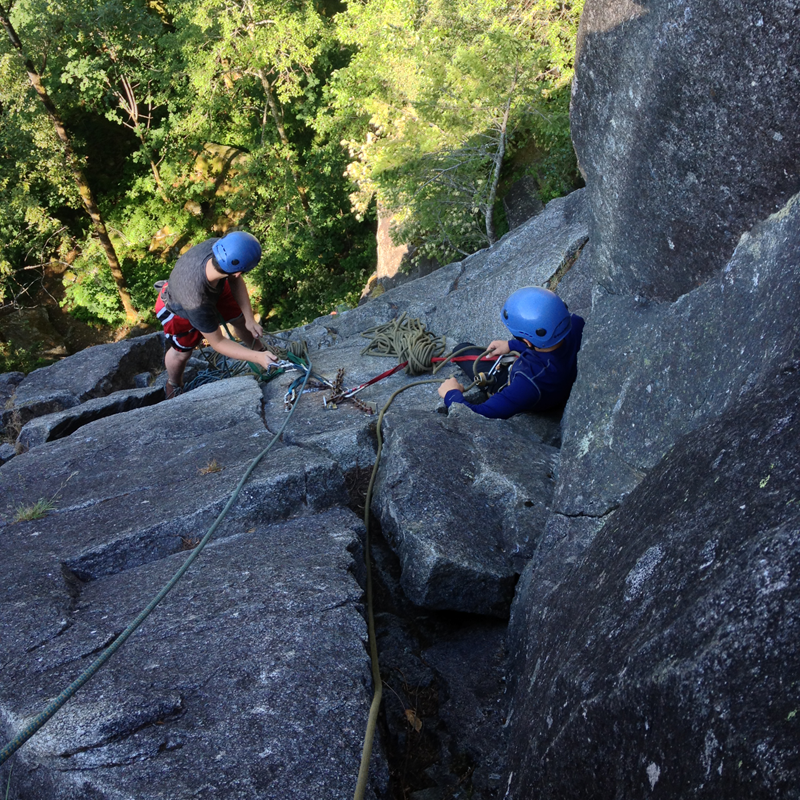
point(408, 340)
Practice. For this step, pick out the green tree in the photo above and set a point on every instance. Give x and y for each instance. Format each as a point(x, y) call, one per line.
point(72, 160)
point(203, 115)
point(34, 182)
point(256, 72)
point(442, 89)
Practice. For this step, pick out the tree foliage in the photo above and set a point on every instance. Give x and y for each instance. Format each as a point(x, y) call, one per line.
point(286, 119)
point(450, 89)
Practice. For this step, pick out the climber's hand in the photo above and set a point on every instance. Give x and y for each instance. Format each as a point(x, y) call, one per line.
point(448, 386)
point(499, 347)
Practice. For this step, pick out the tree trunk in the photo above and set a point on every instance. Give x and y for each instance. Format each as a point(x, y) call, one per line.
point(498, 163)
point(276, 115)
point(77, 173)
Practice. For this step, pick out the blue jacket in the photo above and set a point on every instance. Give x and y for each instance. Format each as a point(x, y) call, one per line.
point(536, 381)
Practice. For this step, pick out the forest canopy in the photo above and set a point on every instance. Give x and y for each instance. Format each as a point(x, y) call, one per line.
point(132, 129)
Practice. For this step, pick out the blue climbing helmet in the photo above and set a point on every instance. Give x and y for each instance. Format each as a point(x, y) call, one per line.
point(237, 252)
point(538, 315)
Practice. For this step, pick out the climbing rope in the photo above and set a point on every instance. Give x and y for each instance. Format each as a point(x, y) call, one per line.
point(221, 367)
point(417, 349)
point(283, 348)
point(408, 340)
point(369, 735)
point(37, 722)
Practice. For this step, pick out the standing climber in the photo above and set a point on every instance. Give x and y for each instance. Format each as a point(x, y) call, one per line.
point(205, 288)
point(547, 338)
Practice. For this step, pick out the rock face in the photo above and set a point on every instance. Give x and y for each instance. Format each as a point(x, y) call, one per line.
point(278, 609)
point(151, 491)
point(272, 611)
point(94, 372)
point(687, 129)
point(651, 372)
point(666, 663)
point(652, 632)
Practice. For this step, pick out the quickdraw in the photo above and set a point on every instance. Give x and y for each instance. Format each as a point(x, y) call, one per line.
point(290, 363)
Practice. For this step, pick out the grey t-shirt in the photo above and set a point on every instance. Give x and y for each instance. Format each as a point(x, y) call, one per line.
point(189, 293)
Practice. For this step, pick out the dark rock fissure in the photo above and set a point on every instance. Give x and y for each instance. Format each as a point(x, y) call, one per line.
point(425, 747)
point(565, 266)
point(162, 715)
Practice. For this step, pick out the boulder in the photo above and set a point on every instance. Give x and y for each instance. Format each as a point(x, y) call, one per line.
point(62, 423)
point(462, 500)
point(8, 384)
point(666, 662)
point(650, 372)
point(685, 120)
point(96, 371)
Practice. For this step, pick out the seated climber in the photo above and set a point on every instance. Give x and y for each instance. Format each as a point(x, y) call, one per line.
point(547, 338)
point(204, 289)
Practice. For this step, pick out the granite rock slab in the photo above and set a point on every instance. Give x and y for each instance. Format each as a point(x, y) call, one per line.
point(139, 486)
point(95, 371)
point(16, 415)
point(249, 680)
point(686, 125)
point(63, 423)
point(650, 372)
point(667, 663)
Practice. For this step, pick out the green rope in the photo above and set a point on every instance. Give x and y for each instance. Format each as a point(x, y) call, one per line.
point(34, 725)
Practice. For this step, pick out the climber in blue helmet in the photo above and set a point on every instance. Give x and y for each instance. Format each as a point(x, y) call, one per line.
point(547, 338)
point(205, 288)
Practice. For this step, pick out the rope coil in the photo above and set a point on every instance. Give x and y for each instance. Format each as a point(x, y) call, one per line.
point(406, 339)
